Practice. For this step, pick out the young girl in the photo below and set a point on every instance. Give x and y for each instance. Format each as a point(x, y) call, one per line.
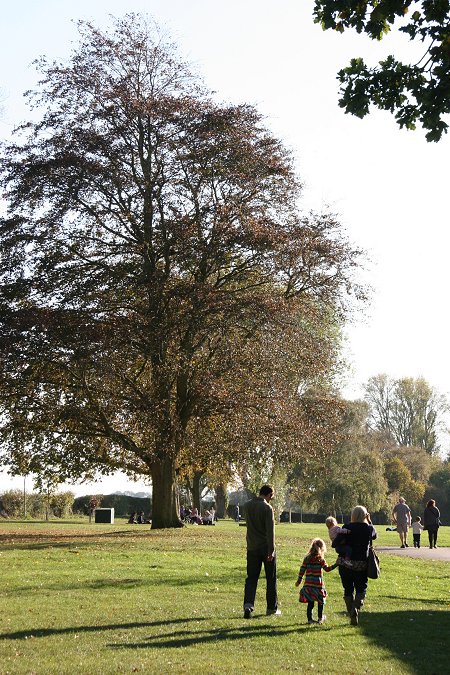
point(314, 589)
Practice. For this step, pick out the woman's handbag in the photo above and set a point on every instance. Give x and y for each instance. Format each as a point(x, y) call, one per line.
point(373, 564)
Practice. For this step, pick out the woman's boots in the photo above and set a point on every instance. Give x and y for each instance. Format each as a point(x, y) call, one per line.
point(348, 599)
point(353, 607)
point(356, 606)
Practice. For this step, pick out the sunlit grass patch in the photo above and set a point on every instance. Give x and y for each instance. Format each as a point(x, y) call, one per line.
point(105, 599)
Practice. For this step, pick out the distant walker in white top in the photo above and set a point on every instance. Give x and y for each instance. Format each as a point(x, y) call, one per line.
point(417, 527)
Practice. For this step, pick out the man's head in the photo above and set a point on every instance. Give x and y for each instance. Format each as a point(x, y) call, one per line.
point(401, 500)
point(267, 492)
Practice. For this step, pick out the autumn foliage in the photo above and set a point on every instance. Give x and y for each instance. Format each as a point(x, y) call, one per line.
point(159, 287)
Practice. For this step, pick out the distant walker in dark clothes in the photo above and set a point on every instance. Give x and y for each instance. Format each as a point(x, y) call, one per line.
point(431, 522)
point(260, 550)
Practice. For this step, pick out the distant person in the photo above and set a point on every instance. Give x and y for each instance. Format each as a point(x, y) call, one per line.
point(402, 517)
point(132, 519)
point(354, 580)
point(314, 589)
point(208, 517)
point(195, 517)
point(343, 550)
point(261, 550)
point(140, 518)
point(417, 527)
point(431, 522)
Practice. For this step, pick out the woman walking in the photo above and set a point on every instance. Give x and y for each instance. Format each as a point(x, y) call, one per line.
point(431, 522)
point(354, 579)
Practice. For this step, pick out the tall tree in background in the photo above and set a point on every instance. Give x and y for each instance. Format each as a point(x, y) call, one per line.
point(351, 473)
point(150, 234)
point(417, 92)
point(407, 408)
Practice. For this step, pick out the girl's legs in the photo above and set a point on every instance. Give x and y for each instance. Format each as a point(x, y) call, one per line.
point(319, 610)
point(309, 610)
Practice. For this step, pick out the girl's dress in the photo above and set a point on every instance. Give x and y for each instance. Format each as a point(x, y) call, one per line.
point(313, 590)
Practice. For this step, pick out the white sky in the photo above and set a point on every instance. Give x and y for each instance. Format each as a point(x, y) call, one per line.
point(389, 187)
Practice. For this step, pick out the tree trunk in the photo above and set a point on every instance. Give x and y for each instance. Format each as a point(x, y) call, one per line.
point(196, 495)
point(165, 511)
point(221, 501)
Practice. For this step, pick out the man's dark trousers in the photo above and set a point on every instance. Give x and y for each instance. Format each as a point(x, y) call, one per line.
point(255, 560)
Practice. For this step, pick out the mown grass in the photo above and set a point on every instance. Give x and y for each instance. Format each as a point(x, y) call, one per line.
point(122, 598)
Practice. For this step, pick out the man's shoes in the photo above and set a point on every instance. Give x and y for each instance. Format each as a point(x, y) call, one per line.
point(248, 612)
point(407, 545)
point(402, 546)
point(273, 612)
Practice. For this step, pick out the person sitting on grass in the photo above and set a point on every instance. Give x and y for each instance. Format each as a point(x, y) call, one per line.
point(343, 549)
point(314, 589)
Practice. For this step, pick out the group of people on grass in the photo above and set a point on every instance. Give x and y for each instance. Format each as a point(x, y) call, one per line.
point(192, 516)
point(352, 560)
point(402, 518)
point(137, 518)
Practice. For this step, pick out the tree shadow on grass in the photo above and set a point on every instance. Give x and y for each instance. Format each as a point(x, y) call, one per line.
point(148, 582)
point(178, 632)
point(418, 639)
point(186, 638)
point(94, 584)
point(46, 632)
point(40, 540)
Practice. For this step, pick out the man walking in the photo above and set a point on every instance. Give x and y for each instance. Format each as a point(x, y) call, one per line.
point(260, 550)
point(402, 517)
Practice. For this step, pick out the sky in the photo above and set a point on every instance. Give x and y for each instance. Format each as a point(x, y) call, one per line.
point(388, 186)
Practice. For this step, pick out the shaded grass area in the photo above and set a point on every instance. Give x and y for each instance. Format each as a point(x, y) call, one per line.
point(115, 599)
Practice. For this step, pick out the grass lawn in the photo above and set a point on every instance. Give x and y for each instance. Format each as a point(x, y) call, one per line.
point(80, 598)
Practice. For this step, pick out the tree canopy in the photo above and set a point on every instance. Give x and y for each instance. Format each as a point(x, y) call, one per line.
point(418, 92)
point(408, 408)
point(154, 262)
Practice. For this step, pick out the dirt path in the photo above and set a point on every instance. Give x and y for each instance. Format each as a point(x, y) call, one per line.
point(424, 552)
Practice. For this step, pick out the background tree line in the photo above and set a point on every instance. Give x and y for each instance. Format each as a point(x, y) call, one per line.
point(384, 446)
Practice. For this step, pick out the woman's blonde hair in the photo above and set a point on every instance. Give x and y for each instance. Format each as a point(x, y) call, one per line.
point(359, 514)
point(330, 521)
point(317, 548)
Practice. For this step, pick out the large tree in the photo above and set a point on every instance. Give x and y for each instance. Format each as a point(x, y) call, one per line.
point(418, 92)
point(407, 408)
point(150, 233)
